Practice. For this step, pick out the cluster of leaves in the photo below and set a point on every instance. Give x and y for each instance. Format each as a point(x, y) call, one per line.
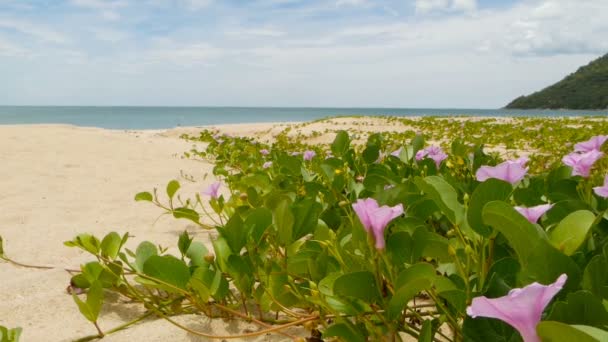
point(587, 88)
point(290, 243)
point(9, 335)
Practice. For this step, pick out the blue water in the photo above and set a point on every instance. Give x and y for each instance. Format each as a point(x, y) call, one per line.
point(169, 117)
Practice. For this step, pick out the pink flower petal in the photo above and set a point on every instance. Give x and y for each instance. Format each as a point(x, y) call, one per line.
point(602, 191)
point(581, 163)
point(509, 171)
point(534, 213)
point(521, 308)
point(595, 143)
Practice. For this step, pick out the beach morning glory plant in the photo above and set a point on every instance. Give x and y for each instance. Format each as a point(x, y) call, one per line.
point(308, 155)
point(511, 171)
point(375, 218)
point(595, 143)
point(602, 191)
point(534, 213)
point(433, 152)
point(520, 308)
point(213, 190)
point(581, 163)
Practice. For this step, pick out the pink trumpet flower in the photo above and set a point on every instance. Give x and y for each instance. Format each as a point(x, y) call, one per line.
point(267, 164)
point(602, 191)
point(581, 163)
point(264, 152)
point(308, 155)
point(534, 213)
point(520, 308)
point(213, 189)
point(375, 218)
point(595, 143)
point(397, 152)
point(433, 152)
point(511, 171)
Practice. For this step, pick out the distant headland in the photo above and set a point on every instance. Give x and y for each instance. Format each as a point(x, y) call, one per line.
point(587, 88)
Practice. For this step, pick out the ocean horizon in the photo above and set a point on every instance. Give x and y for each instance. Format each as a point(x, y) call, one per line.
point(149, 117)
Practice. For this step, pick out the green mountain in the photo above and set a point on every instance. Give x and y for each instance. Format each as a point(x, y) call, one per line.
point(587, 88)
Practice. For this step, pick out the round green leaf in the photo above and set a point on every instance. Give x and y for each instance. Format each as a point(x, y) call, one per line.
point(572, 231)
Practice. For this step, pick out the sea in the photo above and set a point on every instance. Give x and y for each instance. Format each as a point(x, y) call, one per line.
point(170, 117)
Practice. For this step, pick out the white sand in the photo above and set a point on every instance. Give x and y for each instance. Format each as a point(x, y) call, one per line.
point(58, 181)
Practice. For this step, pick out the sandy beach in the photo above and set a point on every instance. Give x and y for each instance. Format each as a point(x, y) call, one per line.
point(58, 181)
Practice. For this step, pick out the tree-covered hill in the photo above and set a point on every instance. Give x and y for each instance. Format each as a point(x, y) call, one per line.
point(587, 88)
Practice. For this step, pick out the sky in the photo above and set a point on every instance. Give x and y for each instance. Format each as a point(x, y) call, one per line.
point(311, 53)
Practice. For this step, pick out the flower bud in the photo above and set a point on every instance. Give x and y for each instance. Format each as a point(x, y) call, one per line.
point(210, 258)
point(451, 251)
point(243, 196)
point(342, 203)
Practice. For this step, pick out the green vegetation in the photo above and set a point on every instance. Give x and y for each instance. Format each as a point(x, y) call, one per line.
point(587, 88)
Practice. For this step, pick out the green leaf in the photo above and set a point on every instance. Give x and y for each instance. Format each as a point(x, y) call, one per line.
point(572, 231)
point(346, 332)
point(196, 253)
point(491, 190)
point(143, 252)
point(91, 308)
point(426, 332)
point(257, 222)
point(580, 307)
point(361, 285)
point(595, 277)
point(234, 233)
point(169, 270)
point(144, 196)
point(110, 245)
point(520, 233)
point(172, 188)
point(284, 220)
point(550, 331)
point(186, 213)
point(183, 243)
point(406, 293)
point(444, 195)
point(341, 144)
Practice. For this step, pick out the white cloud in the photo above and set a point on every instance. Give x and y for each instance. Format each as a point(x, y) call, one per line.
point(355, 3)
point(108, 9)
point(39, 32)
point(262, 32)
point(183, 55)
point(109, 35)
point(10, 49)
point(427, 6)
point(196, 5)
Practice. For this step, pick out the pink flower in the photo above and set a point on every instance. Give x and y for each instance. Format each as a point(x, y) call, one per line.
point(522, 161)
point(581, 163)
point(212, 190)
point(433, 152)
point(397, 152)
point(375, 218)
point(510, 171)
point(595, 143)
point(521, 308)
point(534, 213)
point(267, 164)
point(602, 191)
point(308, 155)
point(264, 152)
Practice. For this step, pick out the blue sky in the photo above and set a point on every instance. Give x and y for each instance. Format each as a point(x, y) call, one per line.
point(354, 53)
